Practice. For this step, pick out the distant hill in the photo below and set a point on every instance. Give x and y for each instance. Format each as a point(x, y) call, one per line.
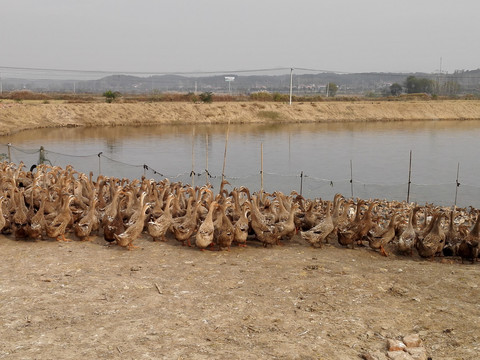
point(361, 83)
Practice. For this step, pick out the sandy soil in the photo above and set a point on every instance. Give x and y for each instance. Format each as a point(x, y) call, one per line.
point(90, 300)
point(31, 115)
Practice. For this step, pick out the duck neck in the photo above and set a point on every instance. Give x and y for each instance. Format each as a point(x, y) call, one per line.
point(436, 225)
point(211, 209)
point(166, 211)
point(476, 227)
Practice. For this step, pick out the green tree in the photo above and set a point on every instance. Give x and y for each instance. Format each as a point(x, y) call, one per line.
point(396, 89)
point(332, 89)
point(110, 95)
point(419, 85)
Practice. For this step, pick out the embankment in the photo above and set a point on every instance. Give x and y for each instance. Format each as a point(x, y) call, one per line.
point(22, 116)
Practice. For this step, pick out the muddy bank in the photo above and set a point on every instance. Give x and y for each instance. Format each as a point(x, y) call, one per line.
point(30, 115)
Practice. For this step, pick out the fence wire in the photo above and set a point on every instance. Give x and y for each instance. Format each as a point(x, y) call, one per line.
point(444, 194)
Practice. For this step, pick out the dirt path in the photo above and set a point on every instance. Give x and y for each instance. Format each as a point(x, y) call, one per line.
point(89, 300)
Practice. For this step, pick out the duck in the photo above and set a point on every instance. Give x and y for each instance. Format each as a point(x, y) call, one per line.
point(113, 226)
point(311, 217)
point(87, 223)
point(184, 227)
point(264, 232)
point(452, 236)
point(366, 224)
point(58, 227)
point(338, 201)
point(157, 198)
point(110, 210)
point(286, 229)
point(408, 238)
point(225, 233)
point(131, 211)
point(474, 233)
point(468, 248)
point(355, 231)
point(432, 243)
point(3, 221)
point(282, 213)
point(236, 209)
point(379, 240)
point(20, 219)
point(259, 222)
point(204, 236)
point(269, 237)
point(316, 235)
point(158, 228)
point(241, 227)
point(350, 229)
point(37, 223)
point(127, 238)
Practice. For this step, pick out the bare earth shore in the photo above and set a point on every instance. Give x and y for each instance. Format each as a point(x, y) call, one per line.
point(22, 116)
point(164, 301)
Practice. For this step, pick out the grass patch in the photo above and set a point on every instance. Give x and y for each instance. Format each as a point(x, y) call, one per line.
point(269, 115)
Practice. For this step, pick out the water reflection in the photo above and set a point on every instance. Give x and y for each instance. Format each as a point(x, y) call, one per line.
point(378, 151)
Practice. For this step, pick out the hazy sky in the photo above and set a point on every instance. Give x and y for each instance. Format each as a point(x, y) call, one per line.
point(220, 35)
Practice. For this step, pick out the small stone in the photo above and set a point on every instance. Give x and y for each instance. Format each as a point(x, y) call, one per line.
point(399, 355)
point(417, 353)
point(412, 340)
point(395, 345)
point(376, 355)
point(367, 356)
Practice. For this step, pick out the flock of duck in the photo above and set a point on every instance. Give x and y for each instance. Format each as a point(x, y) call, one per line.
point(51, 202)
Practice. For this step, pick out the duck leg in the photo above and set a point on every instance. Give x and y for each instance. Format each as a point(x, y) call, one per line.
point(382, 251)
point(130, 246)
point(63, 238)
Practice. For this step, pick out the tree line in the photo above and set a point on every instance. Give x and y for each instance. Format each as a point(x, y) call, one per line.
point(415, 85)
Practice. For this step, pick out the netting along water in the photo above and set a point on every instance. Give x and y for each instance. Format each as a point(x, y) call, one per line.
point(309, 186)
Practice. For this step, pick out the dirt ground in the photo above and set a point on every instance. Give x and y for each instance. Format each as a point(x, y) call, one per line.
point(164, 301)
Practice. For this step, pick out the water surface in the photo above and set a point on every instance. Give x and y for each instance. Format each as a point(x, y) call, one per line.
point(375, 155)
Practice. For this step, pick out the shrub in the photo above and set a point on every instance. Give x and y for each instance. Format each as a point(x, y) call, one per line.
point(261, 96)
point(110, 96)
point(281, 97)
point(206, 97)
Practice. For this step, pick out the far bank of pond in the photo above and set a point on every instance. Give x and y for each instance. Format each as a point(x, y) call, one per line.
point(15, 116)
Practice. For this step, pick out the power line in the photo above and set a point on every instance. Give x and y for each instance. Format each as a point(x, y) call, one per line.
point(142, 72)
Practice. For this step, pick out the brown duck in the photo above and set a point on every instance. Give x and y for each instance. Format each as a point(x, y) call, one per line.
point(379, 240)
point(316, 235)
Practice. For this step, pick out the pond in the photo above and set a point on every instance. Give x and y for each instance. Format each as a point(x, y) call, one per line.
point(362, 159)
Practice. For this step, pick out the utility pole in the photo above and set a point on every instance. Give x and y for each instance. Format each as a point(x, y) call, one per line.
point(291, 84)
